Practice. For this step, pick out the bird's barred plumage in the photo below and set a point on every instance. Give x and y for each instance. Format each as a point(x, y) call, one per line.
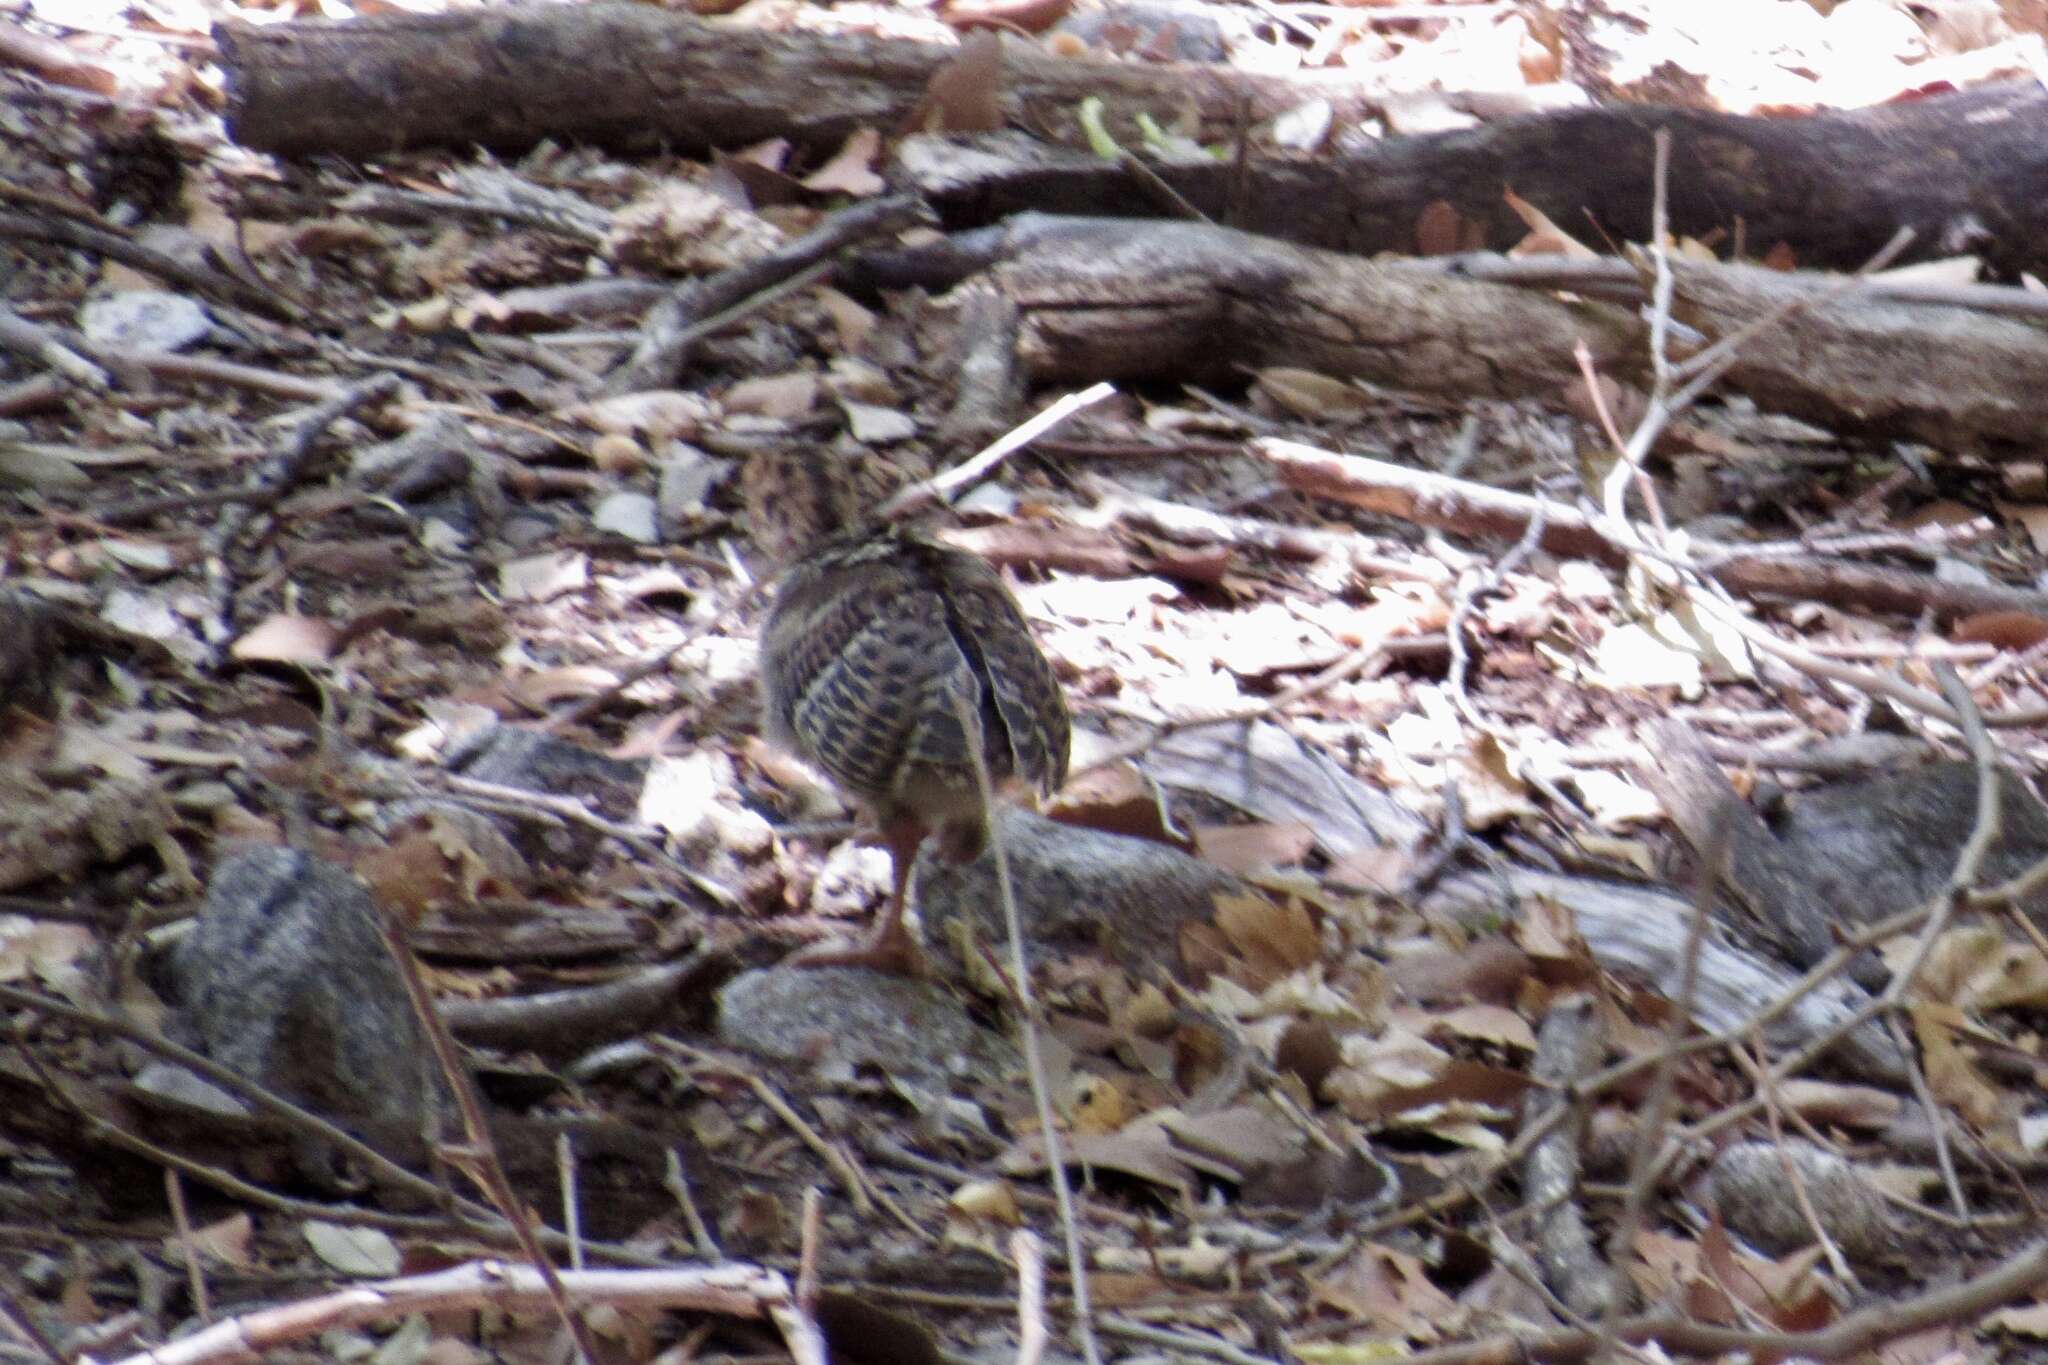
point(875, 633)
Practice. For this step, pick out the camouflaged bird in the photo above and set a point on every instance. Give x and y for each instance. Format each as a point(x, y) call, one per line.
point(881, 642)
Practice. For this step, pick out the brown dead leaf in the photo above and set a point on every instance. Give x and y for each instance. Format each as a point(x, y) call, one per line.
point(2013, 630)
point(1489, 970)
point(1943, 512)
point(1545, 237)
point(1031, 16)
point(1458, 1083)
point(1245, 849)
point(40, 949)
point(1486, 1024)
point(429, 865)
point(785, 397)
point(992, 1201)
point(1309, 1051)
point(965, 95)
point(1951, 1075)
point(1546, 930)
point(1150, 1157)
point(1096, 1105)
point(1388, 1290)
point(547, 687)
point(1440, 230)
point(1310, 394)
point(1848, 1106)
point(1274, 938)
point(1975, 968)
point(1246, 1137)
point(1116, 800)
point(1130, 1289)
point(226, 1241)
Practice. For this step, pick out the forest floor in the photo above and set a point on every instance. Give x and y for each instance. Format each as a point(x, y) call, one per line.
point(311, 487)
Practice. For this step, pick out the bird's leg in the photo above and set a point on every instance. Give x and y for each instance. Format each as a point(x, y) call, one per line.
point(889, 946)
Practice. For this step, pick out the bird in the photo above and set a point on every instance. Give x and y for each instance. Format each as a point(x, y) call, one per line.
point(888, 660)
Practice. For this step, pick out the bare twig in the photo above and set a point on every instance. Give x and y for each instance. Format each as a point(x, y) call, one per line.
point(1034, 1058)
point(914, 498)
point(35, 342)
point(807, 1251)
point(743, 1291)
point(572, 1205)
point(181, 1222)
point(677, 1182)
point(479, 1155)
point(1030, 1259)
point(1859, 1332)
point(19, 1321)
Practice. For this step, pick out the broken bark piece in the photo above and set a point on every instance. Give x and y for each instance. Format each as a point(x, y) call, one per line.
point(1569, 1048)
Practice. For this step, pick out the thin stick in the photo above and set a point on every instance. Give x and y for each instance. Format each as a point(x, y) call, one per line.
point(941, 487)
point(1034, 1056)
point(479, 1157)
point(678, 1184)
point(1030, 1259)
point(174, 1193)
point(572, 1208)
point(743, 1291)
point(807, 1251)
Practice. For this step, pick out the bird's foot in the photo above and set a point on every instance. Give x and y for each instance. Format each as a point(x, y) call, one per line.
point(895, 951)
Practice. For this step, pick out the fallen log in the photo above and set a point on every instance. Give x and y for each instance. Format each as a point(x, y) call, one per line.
point(633, 78)
point(1832, 188)
point(1148, 300)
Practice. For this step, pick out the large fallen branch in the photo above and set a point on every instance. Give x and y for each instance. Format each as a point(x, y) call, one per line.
point(635, 77)
point(1142, 300)
point(1832, 187)
point(1473, 509)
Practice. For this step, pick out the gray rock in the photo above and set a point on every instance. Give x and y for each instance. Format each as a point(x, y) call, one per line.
point(144, 320)
point(1078, 891)
point(285, 979)
point(839, 1018)
point(628, 515)
point(514, 756)
point(1750, 1186)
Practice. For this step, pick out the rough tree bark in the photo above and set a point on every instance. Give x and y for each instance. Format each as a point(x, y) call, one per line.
point(632, 78)
point(1969, 171)
point(1118, 299)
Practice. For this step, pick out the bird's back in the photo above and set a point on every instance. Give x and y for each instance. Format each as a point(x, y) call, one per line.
point(874, 634)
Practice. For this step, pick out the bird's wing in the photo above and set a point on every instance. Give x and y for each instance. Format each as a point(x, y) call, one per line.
point(1023, 696)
